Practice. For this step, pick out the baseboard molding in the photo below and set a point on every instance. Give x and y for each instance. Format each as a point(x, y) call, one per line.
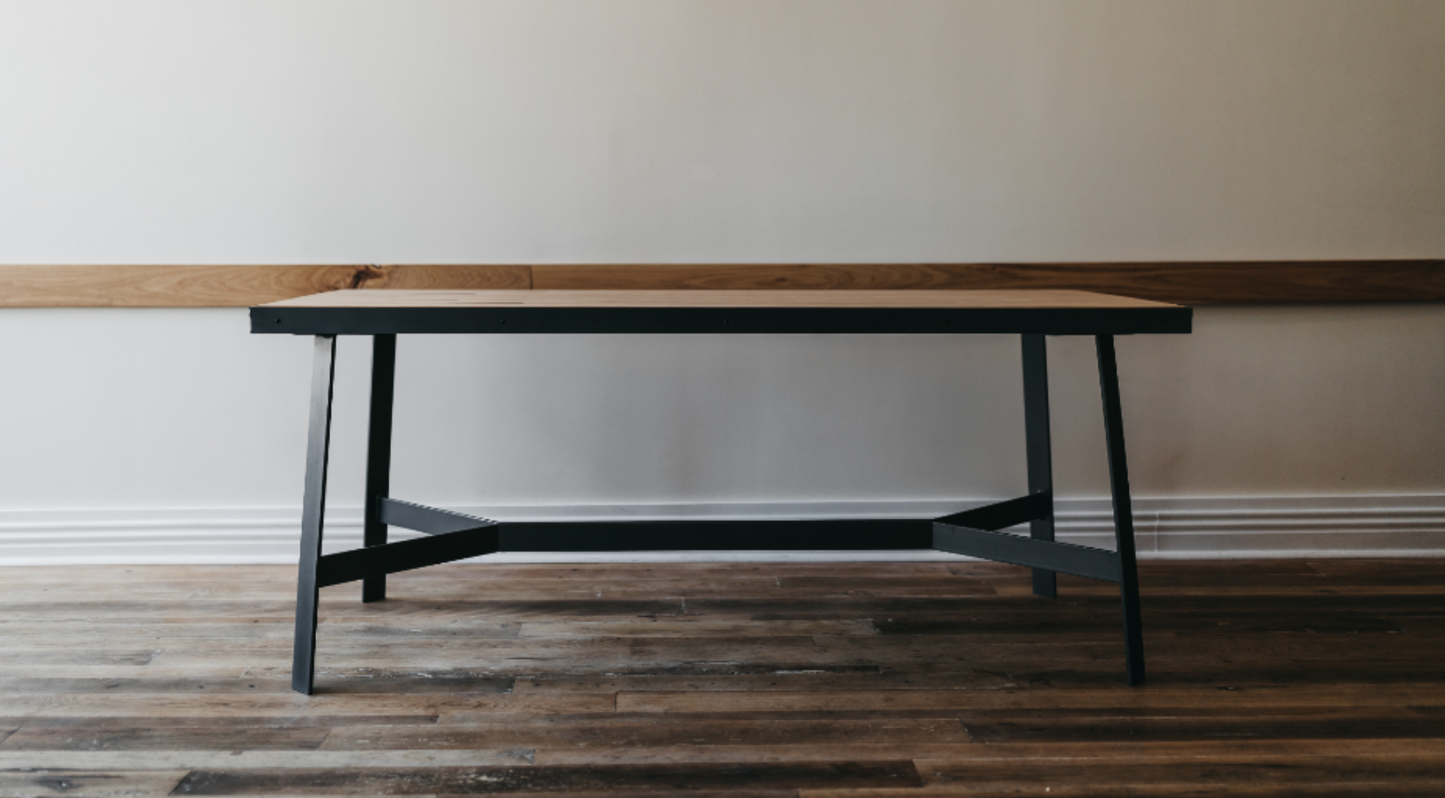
point(1183, 528)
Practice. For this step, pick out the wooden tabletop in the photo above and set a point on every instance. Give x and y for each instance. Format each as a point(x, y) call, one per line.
point(717, 299)
point(1047, 312)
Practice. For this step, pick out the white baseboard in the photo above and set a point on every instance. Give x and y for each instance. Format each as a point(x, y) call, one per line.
point(1184, 528)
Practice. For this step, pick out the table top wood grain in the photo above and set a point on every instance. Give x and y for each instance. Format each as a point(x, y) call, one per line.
point(718, 299)
point(1048, 312)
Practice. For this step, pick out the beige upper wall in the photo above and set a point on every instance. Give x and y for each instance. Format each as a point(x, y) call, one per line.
point(720, 130)
point(419, 131)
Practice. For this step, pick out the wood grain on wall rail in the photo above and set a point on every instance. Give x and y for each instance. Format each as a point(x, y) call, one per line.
point(213, 286)
point(1189, 283)
point(1183, 282)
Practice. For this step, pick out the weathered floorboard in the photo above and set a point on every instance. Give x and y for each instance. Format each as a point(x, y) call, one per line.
point(1269, 678)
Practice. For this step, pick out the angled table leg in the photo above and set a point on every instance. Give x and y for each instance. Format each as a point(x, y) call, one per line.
point(1123, 513)
point(1036, 434)
point(378, 454)
point(313, 513)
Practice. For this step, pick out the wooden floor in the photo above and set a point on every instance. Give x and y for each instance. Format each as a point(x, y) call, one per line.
point(1276, 678)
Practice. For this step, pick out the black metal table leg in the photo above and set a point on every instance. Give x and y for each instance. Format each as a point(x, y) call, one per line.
point(313, 513)
point(1123, 513)
point(1036, 433)
point(378, 454)
point(453, 536)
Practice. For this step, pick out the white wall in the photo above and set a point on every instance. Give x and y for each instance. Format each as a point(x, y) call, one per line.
point(583, 131)
point(726, 130)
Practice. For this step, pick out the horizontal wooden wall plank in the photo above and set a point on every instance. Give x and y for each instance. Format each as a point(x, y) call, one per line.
point(1183, 282)
point(210, 286)
point(1188, 283)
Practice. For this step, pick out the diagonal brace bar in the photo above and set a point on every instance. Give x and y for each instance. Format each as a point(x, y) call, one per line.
point(1019, 550)
point(1002, 515)
point(745, 535)
point(428, 520)
point(404, 555)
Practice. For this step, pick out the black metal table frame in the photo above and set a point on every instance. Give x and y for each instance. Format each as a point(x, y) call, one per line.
point(452, 536)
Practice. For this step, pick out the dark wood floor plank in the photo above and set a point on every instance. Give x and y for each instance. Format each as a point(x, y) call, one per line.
point(358, 681)
point(1381, 572)
point(692, 627)
point(844, 678)
point(58, 654)
point(1283, 771)
point(665, 793)
point(40, 782)
point(198, 738)
point(1103, 698)
point(471, 781)
point(762, 677)
point(274, 760)
point(1228, 751)
point(110, 722)
point(325, 702)
point(1395, 788)
point(633, 732)
point(1168, 724)
point(890, 585)
point(1232, 675)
